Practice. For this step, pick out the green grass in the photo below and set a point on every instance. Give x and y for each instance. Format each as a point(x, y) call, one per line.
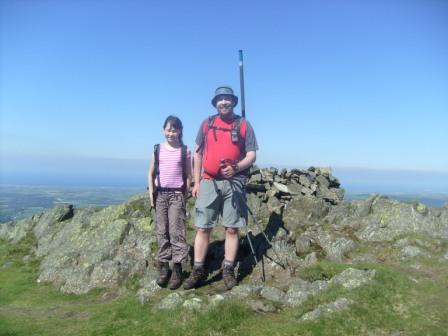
point(403, 298)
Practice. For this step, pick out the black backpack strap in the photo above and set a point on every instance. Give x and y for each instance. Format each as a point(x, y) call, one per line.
point(210, 122)
point(237, 123)
point(184, 166)
point(156, 163)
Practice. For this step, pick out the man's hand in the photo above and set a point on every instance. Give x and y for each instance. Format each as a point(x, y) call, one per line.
point(227, 171)
point(195, 190)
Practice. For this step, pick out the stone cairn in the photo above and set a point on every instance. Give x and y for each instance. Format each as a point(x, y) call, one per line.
point(315, 183)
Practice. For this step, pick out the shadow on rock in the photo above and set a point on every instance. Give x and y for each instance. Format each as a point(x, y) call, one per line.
point(261, 243)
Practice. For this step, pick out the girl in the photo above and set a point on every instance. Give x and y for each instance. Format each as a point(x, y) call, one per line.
point(169, 179)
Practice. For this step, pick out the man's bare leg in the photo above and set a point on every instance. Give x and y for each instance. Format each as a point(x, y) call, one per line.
point(231, 249)
point(231, 244)
point(198, 274)
point(201, 242)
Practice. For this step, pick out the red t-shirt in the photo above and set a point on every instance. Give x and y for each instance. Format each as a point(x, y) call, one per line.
point(219, 146)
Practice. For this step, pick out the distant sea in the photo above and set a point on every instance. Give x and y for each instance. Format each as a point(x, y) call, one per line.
point(28, 186)
point(17, 202)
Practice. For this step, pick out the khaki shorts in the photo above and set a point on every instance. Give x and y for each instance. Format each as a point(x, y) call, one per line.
point(221, 197)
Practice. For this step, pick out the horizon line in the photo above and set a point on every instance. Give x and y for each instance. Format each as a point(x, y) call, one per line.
point(259, 164)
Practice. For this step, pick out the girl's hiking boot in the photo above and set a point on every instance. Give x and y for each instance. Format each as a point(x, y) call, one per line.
point(228, 275)
point(176, 277)
point(164, 274)
point(197, 276)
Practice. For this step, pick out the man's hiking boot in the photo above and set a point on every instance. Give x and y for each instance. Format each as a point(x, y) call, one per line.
point(176, 277)
point(196, 277)
point(164, 274)
point(228, 275)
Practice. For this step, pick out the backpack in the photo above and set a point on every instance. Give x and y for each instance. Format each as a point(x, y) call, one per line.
point(184, 169)
point(235, 130)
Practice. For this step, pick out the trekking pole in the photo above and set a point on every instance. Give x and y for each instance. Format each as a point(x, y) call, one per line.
point(250, 244)
point(249, 239)
point(243, 104)
point(265, 237)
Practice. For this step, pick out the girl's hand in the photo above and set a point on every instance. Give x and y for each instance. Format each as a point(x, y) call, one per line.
point(151, 200)
point(195, 190)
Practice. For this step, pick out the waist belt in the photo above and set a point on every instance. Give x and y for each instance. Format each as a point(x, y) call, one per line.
point(163, 189)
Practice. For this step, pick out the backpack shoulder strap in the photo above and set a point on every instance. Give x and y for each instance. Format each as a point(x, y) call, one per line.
point(237, 122)
point(156, 162)
point(184, 166)
point(211, 121)
point(206, 126)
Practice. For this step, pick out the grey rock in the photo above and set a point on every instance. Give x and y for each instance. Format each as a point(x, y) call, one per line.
point(333, 196)
point(325, 171)
point(335, 248)
point(216, 300)
point(323, 182)
point(105, 275)
point(305, 181)
point(421, 208)
point(310, 259)
point(260, 307)
point(246, 290)
point(275, 206)
point(273, 294)
point(50, 221)
point(86, 249)
point(77, 282)
point(303, 245)
point(281, 187)
point(390, 218)
point(13, 232)
point(145, 294)
point(303, 211)
point(352, 278)
point(409, 252)
point(307, 191)
point(171, 301)
point(256, 178)
point(192, 304)
point(326, 309)
point(300, 290)
point(403, 242)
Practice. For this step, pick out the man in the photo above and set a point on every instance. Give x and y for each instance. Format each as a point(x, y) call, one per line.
point(225, 149)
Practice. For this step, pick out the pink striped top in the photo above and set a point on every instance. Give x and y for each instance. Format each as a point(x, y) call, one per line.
point(170, 166)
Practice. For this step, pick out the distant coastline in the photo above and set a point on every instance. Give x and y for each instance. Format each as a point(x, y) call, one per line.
point(22, 201)
point(104, 182)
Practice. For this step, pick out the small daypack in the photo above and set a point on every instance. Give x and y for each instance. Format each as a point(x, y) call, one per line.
point(235, 130)
point(156, 174)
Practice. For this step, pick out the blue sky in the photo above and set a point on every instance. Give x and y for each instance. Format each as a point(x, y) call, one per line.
point(86, 85)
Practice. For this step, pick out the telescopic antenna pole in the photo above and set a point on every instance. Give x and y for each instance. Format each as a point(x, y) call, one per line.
point(243, 103)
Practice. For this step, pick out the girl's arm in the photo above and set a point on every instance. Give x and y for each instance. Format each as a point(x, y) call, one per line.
point(151, 181)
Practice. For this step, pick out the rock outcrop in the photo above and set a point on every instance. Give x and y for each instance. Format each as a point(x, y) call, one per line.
point(298, 218)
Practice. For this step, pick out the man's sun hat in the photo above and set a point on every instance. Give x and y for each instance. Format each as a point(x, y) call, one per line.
point(224, 91)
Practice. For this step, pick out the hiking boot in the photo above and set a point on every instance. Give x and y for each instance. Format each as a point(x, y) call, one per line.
point(164, 274)
point(196, 277)
point(176, 277)
point(228, 275)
